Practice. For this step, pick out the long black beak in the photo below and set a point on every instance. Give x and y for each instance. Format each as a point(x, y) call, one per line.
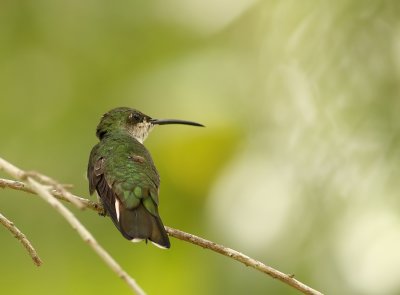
point(174, 121)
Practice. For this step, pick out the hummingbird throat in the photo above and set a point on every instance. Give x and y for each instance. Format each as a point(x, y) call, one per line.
point(140, 131)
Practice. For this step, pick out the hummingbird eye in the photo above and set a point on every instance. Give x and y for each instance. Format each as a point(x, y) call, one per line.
point(134, 117)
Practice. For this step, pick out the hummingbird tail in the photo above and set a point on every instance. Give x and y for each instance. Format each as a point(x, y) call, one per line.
point(139, 224)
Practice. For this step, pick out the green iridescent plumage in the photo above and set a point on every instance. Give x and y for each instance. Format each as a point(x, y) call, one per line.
point(123, 174)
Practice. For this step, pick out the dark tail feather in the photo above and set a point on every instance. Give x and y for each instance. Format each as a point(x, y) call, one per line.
point(141, 224)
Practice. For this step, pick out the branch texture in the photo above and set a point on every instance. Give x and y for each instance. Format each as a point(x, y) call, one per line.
point(55, 192)
point(246, 260)
point(22, 238)
point(43, 192)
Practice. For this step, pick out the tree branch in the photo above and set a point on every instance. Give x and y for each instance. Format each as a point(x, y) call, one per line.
point(21, 186)
point(246, 260)
point(43, 192)
point(22, 238)
point(52, 183)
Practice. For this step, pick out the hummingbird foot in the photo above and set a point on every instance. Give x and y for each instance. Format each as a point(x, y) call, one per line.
point(103, 212)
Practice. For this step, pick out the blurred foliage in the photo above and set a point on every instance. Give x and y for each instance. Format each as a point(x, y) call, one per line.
point(298, 165)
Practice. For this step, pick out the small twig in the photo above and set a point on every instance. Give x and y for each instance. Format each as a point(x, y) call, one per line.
point(21, 186)
point(43, 192)
point(22, 238)
point(248, 261)
point(46, 180)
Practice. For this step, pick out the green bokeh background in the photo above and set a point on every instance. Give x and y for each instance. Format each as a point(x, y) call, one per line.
point(298, 166)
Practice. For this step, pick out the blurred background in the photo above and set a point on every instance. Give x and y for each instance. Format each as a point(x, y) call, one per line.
point(298, 167)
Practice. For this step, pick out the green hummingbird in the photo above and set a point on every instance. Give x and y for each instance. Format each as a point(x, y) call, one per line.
point(122, 172)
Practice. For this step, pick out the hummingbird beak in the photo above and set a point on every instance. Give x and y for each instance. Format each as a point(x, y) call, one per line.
point(174, 121)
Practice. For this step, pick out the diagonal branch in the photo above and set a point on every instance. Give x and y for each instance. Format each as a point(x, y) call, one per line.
point(22, 238)
point(43, 192)
point(21, 186)
point(246, 260)
point(45, 180)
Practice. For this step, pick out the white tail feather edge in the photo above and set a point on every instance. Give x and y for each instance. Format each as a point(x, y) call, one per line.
point(159, 246)
point(117, 208)
point(136, 240)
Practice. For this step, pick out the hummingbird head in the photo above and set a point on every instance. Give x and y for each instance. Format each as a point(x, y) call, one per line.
point(137, 124)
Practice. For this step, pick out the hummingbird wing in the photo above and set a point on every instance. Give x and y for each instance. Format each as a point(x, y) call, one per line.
point(127, 182)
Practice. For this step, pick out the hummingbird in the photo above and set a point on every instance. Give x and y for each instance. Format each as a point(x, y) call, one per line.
point(124, 176)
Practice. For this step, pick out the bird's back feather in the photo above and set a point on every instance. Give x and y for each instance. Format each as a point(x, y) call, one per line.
point(123, 174)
